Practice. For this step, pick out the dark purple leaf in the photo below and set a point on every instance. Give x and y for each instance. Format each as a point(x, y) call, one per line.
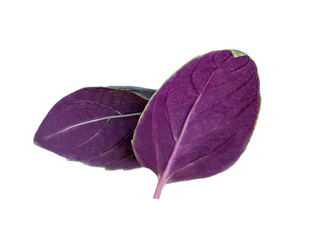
point(95, 126)
point(200, 121)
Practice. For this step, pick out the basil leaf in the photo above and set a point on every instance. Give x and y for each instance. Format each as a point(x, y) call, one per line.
point(200, 121)
point(95, 126)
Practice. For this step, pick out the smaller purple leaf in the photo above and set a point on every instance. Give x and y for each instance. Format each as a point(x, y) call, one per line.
point(95, 126)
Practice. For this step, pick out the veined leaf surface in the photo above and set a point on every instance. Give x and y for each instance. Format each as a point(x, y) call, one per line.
point(200, 121)
point(95, 126)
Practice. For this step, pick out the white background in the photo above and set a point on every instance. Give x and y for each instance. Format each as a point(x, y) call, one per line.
point(277, 189)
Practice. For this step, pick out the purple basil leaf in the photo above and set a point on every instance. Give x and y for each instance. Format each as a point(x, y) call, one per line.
point(94, 126)
point(200, 121)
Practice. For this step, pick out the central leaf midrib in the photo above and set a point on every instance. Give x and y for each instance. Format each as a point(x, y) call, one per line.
point(184, 127)
point(92, 121)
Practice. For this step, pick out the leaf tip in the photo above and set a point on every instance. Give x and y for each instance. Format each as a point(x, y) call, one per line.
point(237, 53)
point(36, 140)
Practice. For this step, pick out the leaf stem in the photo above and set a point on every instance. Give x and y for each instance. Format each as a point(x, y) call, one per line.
point(159, 188)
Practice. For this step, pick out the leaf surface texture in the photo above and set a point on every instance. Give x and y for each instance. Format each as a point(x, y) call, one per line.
point(200, 121)
point(94, 126)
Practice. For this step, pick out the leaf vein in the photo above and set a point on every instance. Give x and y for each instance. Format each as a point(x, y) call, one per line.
point(226, 97)
point(120, 161)
point(192, 77)
point(193, 162)
point(113, 147)
point(96, 103)
point(169, 117)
